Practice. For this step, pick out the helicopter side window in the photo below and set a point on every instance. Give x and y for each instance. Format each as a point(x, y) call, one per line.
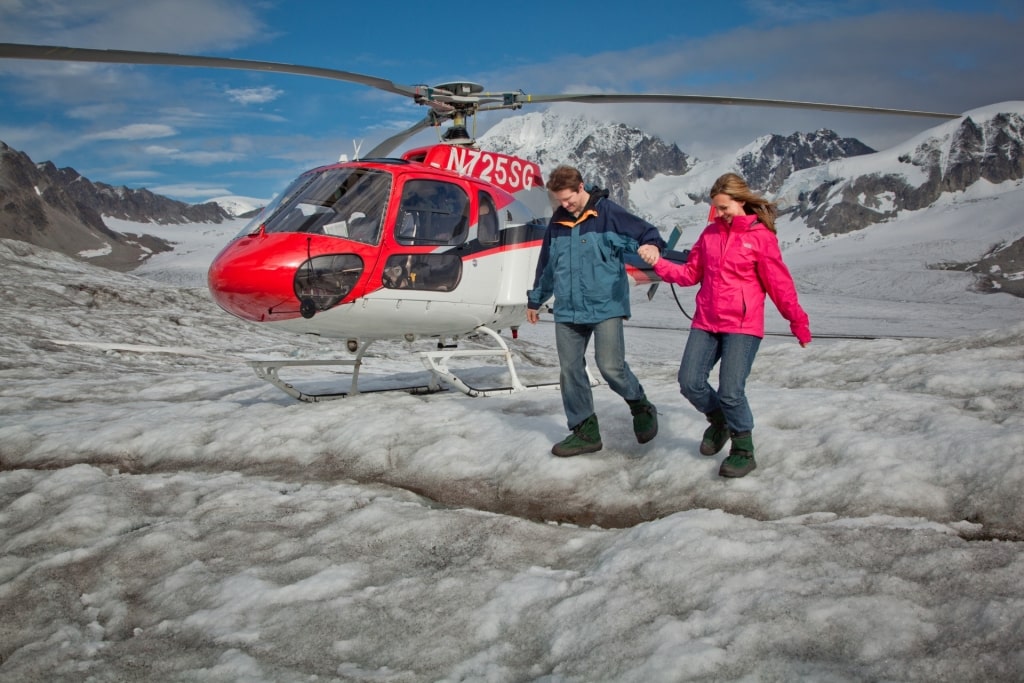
point(436, 272)
point(432, 212)
point(487, 221)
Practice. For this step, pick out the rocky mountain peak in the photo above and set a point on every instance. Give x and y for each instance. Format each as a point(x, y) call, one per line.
point(767, 162)
point(610, 156)
point(138, 206)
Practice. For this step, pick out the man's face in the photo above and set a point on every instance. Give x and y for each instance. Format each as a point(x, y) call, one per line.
point(572, 201)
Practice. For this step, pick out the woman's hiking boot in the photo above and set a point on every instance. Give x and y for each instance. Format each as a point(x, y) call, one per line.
point(716, 434)
point(585, 438)
point(645, 419)
point(741, 456)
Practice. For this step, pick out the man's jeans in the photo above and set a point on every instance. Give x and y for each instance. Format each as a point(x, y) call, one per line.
point(609, 352)
point(736, 352)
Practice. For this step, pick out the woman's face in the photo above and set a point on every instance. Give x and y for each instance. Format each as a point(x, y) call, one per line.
point(727, 207)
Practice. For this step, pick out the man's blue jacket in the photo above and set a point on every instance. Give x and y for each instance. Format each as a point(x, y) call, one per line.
point(581, 261)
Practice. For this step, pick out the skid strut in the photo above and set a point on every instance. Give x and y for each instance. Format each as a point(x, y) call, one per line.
point(436, 362)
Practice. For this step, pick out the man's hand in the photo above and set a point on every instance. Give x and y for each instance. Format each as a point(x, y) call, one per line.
point(649, 253)
point(532, 316)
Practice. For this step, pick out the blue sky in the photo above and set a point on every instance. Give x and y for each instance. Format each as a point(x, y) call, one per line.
point(194, 134)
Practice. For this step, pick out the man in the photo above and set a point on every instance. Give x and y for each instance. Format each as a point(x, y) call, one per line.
point(581, 264)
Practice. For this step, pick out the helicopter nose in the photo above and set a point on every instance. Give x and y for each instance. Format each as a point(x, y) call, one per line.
point(261, 278)
point(245, 285)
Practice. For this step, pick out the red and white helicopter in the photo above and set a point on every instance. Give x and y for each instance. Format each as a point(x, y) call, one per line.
point(439, 243)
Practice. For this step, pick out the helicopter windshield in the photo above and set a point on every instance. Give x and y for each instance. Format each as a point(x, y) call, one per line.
point(343, 202)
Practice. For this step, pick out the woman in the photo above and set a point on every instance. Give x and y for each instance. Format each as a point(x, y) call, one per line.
point(737, 261)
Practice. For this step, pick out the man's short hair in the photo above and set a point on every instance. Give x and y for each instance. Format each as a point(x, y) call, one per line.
point(564, 178)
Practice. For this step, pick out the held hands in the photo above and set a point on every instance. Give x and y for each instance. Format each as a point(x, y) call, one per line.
point(649, 253)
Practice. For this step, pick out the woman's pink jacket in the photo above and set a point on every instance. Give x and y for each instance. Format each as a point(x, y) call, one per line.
point(736, 265)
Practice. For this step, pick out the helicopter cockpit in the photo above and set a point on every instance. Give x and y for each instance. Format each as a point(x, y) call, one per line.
point(342, 202)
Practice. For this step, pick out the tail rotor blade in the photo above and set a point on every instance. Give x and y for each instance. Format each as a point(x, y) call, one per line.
point(673, 238)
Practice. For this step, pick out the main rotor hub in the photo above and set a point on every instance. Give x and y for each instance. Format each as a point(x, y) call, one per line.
point(461, 88)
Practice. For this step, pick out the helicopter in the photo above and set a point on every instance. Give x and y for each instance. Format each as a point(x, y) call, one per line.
point(441, 242)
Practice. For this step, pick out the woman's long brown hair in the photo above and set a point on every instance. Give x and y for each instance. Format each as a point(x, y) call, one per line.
point(737, 188)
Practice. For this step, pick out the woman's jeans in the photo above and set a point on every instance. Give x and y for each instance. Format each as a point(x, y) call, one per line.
point(610, 354)
point(736, 353)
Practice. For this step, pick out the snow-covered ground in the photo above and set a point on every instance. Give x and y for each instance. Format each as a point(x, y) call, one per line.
point(166, 515)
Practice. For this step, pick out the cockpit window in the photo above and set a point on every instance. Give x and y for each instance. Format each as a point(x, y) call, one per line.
point(280, 199)
point(343, 202)
point(432, 212)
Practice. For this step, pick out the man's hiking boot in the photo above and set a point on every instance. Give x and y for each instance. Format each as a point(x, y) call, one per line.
point(715, 435)
point(741, 456)
point(645, 419)
point(585, 438)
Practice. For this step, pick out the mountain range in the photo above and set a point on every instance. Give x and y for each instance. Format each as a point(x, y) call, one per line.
point(60, 209)
point(824, 184)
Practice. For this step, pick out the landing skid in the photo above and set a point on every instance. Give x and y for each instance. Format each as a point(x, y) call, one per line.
point(436, 362)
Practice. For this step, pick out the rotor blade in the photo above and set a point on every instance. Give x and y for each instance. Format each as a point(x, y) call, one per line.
point(79, 54)
point(384, 148)
point(617, 98)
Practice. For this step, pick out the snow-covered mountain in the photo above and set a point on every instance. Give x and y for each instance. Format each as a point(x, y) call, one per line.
point(240, 207)
point(654, 178)
point(985, 146)
point(832, 185)
point(618, 158)
point(833, 188)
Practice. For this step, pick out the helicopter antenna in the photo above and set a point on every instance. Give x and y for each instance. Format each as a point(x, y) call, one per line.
point(356, 146)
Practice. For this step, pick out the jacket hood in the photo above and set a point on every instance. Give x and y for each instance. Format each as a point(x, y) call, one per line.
point(596, 194)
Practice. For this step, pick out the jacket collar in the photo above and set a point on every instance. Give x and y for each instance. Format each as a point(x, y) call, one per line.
point(744, 222)
point(563, 217)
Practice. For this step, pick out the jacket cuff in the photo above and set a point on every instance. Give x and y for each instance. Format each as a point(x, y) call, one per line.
point(801, 332)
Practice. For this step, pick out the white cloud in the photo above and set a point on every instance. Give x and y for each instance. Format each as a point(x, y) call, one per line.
point(135, 131)
point(201, 158)
point(254, 95)
point(191, 191)
point(161, 25)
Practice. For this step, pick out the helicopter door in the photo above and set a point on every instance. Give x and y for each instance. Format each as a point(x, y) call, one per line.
point(436, 214)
